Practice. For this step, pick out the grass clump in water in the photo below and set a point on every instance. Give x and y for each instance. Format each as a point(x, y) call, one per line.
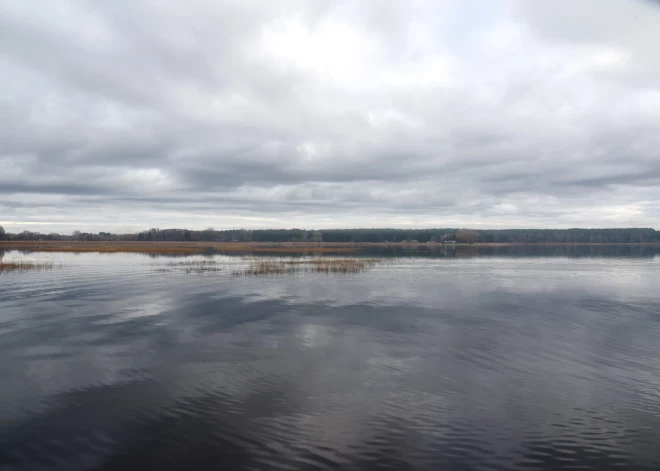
point(24, 265)
point(191, 266)
point(279, 266)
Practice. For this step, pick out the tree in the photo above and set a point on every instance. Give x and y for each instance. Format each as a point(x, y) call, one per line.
point(467, 236)
point(2, 233)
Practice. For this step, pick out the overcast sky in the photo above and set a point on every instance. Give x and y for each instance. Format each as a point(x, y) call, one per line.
point(125, 115)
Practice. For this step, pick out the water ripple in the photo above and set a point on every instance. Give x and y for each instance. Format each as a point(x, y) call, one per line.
point(452, 364)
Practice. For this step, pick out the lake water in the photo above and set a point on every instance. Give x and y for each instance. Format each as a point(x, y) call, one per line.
point(534, 358)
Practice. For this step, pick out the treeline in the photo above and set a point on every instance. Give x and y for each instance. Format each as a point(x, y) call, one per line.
point(448, 235)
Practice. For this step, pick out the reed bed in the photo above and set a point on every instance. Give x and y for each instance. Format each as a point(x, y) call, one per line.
point(274, 266)
point(174, 248)
point(191, 266)
point(25, 265)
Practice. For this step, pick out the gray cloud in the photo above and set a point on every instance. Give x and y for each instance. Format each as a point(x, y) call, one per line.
point(125, 115)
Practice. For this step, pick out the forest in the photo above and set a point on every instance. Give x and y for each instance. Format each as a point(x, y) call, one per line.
point(439, 235)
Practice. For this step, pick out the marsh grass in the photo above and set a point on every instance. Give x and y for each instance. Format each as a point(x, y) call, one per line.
point(191, 266)
point(174, 248)
point(280, 266)
point(25, 265)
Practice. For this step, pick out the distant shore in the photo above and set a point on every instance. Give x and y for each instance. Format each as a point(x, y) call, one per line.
point(271, 247)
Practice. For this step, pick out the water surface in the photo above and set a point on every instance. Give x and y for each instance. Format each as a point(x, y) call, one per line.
point(495, 359)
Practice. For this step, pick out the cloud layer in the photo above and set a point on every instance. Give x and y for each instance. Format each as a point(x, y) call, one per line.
point(125, 115)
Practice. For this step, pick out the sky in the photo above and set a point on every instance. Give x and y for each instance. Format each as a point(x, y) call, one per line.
point(126, 115)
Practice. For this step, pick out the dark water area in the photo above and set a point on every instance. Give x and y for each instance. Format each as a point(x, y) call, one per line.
point(531, 250)
point(493, 359)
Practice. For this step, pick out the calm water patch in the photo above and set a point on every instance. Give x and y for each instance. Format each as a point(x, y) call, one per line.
point(508, 358)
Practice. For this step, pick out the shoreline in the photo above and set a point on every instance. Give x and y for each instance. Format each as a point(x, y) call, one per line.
point(272, 247)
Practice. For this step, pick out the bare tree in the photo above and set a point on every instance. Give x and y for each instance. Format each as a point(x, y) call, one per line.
point(467, 236)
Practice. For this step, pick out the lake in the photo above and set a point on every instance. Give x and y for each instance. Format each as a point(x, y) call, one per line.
point(496, 358)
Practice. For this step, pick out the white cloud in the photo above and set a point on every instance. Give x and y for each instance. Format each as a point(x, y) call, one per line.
point(315, 114)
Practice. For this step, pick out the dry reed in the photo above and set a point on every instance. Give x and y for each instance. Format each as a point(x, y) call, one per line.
point(260, 267)
point(181, 248)
point(25, 265)
point(191, 266)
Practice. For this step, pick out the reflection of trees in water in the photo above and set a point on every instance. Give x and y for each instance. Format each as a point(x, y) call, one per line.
point(2, 254)
point(470, 251)
point(575, 251)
